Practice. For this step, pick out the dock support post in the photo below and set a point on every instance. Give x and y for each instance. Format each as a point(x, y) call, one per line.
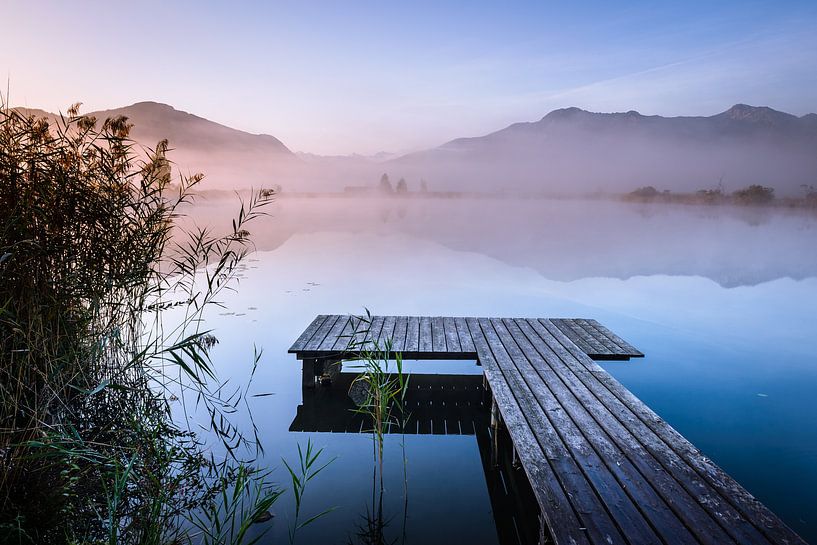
point(495, 417)
point(310, 372)
point(486, 389)
point(544, 534)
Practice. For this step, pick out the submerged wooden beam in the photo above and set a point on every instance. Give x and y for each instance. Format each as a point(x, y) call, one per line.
point(604, 468)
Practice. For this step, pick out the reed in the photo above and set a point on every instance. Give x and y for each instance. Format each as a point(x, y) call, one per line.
point(307, 469)
point(384, 391)
point(103, 296)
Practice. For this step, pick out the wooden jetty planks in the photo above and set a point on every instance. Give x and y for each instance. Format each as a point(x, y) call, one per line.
point(347, 336)
point(361, 325)
point(580, 337)
point(308, 333)
point(680, 502)
point(762, 519)
point(608, 345)
point(441, 335)
point(595, 340)
point(594, 489)
point(332, 336)
point(576, 419)
point(624, 345)
point(557, 509)
point(321, 333)
point(595, 345)
point(669, 461)
point(603, 466)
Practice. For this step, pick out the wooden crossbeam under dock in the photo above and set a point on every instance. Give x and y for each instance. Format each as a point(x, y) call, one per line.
point(436, 405)
point(424, 337)
point(605, 468)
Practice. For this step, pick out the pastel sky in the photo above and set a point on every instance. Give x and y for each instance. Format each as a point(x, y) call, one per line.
point(339, 77)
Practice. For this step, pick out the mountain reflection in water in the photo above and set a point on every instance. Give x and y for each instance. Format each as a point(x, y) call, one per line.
point(721, 300)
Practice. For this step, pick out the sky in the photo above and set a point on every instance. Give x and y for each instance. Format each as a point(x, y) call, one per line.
point(341, 77)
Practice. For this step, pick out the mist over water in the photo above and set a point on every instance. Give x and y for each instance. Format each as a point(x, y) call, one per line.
point(720, 299)
point(563, 239)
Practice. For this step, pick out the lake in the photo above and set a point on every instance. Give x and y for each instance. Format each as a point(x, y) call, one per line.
point(721, 300)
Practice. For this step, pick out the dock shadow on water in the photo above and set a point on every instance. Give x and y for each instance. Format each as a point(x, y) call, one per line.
point(440, 406)
point(411, 411)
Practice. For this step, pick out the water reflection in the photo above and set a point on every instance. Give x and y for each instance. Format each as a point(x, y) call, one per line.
point(437, 404)
point(569, 240)
point(723, 310)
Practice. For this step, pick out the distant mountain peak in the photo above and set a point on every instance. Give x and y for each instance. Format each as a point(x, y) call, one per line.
point(153, 103)
point(756, 114)
point(565, 113)
point(574, 112)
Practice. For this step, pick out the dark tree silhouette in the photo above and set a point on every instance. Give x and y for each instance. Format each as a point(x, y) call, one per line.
point(754, 194)
point(385, 184)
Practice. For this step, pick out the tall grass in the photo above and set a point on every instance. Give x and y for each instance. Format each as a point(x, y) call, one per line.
point(307, 469)
point(384, 392)
point(384, 402)
point(93, 257)
point(244, 498)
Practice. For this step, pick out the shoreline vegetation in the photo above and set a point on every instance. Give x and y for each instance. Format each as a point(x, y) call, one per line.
point(103, 305)
point(750, 196)
point(754, 195)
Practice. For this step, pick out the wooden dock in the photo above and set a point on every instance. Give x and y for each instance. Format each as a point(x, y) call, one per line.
point(605, 469)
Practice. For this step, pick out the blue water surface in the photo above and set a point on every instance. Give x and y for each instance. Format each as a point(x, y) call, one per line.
point(721, 301)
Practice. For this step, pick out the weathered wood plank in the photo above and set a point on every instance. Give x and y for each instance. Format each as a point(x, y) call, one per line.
point(372, 337)
point(387, 334)
point(425, 343)
point(592, 338)
point(412, 334)
point(400, 331)
point(464, 335)
point(737, 526)
point(438, 343)
point(452, 339)
point(308, 333)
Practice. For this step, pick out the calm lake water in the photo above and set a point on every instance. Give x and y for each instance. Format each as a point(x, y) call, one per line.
point(722, 301)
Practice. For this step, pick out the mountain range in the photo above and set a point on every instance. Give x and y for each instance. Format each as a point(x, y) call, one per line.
point(568, 151)
point(575, 151)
